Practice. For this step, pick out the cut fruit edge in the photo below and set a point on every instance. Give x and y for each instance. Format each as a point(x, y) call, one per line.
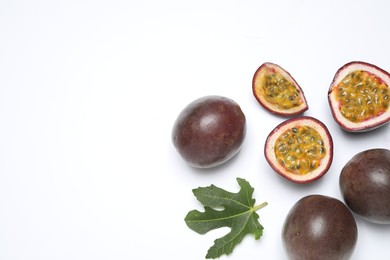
point(269, 149)
point(334, 104)
point(258, 91)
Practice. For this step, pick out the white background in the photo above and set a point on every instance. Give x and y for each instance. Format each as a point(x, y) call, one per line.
point(89, 91)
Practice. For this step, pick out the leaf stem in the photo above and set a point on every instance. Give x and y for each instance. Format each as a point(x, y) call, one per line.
point(262, 205)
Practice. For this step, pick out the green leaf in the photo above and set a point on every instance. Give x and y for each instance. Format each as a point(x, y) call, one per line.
point(238, 213)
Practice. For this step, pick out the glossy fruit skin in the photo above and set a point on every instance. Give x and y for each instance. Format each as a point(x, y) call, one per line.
point(299, 121)
point(365, 185)
point(209, 131)
point(367, 125)
point(319, 227)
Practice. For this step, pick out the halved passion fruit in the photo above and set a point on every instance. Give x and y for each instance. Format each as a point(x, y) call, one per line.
point(359, 97)
point(300, 149)
point(277, 91)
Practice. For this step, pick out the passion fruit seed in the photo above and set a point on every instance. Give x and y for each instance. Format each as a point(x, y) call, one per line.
point(362, 95)
point(279, 91)
point(300, 149)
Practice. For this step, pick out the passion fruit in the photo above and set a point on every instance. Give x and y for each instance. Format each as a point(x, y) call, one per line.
point(365, 185)
point(359, 97)
point(209, 131)
point(319, 227)
point(300, 149)
point(277, 91)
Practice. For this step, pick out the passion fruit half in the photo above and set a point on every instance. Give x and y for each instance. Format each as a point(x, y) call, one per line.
point(300, 149)
point(359, 97)
point(277, 91)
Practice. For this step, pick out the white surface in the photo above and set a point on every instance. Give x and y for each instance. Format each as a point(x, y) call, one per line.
point(89, 91)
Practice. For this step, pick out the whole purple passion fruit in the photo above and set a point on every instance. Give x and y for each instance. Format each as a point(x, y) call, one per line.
point(365, 185)
point(300, 149)
point(319, 227)
point(209, 131)
point(277, 91)
point(359, 97)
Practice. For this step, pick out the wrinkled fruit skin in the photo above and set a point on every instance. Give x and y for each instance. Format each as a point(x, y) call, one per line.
point(319, 228)
point(365, 185)
point(209, 131)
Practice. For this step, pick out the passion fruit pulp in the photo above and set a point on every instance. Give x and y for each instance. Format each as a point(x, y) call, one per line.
point(319, 227)
point(209, 131)
point(365, 185)
point(300, 149)
point(359, 96)
point(277, 91)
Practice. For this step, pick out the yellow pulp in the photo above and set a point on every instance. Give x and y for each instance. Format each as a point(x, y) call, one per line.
point(300, 149)
point(280, 91)
point(361, 96)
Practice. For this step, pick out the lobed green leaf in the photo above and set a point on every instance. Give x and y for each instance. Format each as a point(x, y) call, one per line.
point(238, 213)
